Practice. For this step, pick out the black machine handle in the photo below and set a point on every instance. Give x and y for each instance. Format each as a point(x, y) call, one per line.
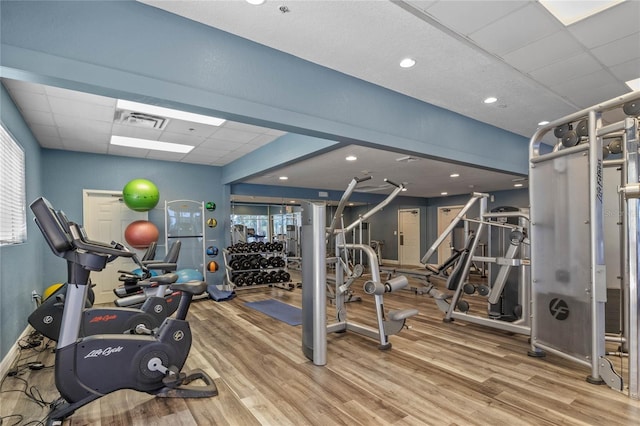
point(97, 247)
point(392, 183)
point(364, 179)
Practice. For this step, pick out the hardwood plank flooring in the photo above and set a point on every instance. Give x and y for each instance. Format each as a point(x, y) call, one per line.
point(435, 374)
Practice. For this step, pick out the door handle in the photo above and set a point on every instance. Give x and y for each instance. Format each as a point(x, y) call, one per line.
point(401, 240)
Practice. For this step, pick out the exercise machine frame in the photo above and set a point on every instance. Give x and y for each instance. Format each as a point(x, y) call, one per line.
point(567, 243)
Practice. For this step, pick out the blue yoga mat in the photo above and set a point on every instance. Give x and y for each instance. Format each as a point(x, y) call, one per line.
point(278, 310)
point(219, 295)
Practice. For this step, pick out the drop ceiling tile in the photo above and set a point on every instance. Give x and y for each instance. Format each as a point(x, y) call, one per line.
point(208, 152)
point(516, 30)
point(181, 138)
point(92, 138)
point(619, 51)
point(203, 158)
point(81, 124)
point(25, 86)
point(85, 146)
point(164, 155)
point(543, 52)
point(627, 71)
point(83, 133)
point(83, 97)
point(190, 128)
point(275, 132)
point(598, 82)
point(235, 135)
point(44, 132)
point(81, 110)
point(597, 94)
point(262, 140)
point(49, 140)
point(39, 117)
point(30, 101)
point(214, 143)
point(245, 148)
point(612, 24)
point(566, 70)
point(136, 132)
point(466, 17)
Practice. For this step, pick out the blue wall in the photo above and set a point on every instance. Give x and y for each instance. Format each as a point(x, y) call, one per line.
point(66, 174)
point(20, 265)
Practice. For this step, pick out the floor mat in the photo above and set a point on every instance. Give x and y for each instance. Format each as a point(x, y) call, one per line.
point(278, 310)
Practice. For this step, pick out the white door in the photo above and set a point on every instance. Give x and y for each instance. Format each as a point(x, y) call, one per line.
point(409, 237)
point(445, 216)
point(105, 217)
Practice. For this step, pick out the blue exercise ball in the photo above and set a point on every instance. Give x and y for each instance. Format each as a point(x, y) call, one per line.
point(138, 272)
point(185, 275)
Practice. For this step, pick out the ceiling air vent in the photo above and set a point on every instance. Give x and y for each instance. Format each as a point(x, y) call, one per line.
point(139, 119)
point(407, 159)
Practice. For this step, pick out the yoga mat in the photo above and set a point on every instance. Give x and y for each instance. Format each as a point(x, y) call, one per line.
point(278, 310)
point(219, 295)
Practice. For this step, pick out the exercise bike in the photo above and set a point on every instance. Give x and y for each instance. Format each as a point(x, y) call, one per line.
point(47, 318)
point(128, 297)
point(85, 366)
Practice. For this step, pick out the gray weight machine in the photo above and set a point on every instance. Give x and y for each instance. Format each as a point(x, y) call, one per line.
point(568, 242)
point(508, 291)
point(314, 267)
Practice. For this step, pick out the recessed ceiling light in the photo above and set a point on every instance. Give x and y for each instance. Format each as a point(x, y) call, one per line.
point(283, 178)
point(490, 100)
point(454, 175)
point(543, 123)
point(169, 113)
point(569, 12)
point(351, 158)
point(148, 144)
point(443, 193)
point(403, 190)
point(351, 204)
point(517, 185)
point(292, 201)
point(407, 63)
point(256, 2)
point(634, 84)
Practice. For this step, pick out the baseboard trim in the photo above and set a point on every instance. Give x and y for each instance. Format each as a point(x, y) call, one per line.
point(13, 353)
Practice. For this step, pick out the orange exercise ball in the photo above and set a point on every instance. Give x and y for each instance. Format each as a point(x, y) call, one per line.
point(141, 233)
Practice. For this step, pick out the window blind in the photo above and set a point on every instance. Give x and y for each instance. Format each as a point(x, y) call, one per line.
point(13, 220)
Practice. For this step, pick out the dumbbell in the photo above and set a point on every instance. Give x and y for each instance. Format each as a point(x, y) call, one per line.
point(285, 277)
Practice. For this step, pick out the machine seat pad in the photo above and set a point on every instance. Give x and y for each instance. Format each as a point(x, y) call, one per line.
point(159, 279)
point(193, 287)
point(402, 314)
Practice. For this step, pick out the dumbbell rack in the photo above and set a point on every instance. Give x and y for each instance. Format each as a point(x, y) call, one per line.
point(256, 265)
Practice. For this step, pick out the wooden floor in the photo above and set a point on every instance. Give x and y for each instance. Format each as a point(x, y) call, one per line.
point(435, 374)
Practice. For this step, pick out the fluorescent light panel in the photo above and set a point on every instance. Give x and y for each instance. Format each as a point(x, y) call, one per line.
point(634, 84)
point(148, 144)
point(569, 12)
point(169, 113)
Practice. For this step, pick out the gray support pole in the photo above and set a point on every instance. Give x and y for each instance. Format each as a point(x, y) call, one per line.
point(632, 293)
point(314, 280)
point(598, 273)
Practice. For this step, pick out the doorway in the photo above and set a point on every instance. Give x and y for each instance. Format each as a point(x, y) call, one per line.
point(105, 217)
point(445, 215)
point(409, 237)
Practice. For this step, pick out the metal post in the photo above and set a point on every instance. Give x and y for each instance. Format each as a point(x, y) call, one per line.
point(314, 279)
point(598, 273)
